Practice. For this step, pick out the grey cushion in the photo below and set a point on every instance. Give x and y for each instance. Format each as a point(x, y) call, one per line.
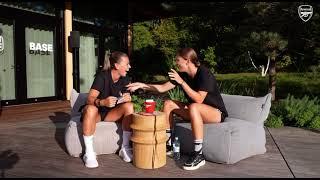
point(252, 109)
point(227, 142)
point(236, 138)
point(77, 100)
point(107, 137)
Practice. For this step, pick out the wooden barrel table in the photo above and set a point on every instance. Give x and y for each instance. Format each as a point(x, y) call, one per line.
point(149, 140)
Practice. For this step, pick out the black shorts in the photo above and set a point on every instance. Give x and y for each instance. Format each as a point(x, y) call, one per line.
point(103, 114)
point(223, 116)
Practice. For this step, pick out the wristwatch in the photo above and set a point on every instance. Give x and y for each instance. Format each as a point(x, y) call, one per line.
point(97, 104)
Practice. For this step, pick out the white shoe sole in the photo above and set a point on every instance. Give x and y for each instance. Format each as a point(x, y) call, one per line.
point(122, 156)
point(202, 163)
point(94, 166)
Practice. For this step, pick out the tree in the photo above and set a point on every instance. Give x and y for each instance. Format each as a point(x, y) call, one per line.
point(270, 44)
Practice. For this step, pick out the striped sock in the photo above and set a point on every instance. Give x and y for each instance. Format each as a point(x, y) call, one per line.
point(168, 132)
point(198, 145)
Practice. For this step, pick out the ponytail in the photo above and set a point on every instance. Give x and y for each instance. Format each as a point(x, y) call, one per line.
point(111, 59)
point(106, 64)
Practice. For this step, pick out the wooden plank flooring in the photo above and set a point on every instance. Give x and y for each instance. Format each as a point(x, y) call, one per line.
point(301, 149)
point(32, 145)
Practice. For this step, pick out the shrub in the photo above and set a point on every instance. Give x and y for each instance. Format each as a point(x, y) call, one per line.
point(209, 57)
point(302, 112)
point(237, 88)
point(177, 94)
point(274, 121)
point(137, 103)
point(315, 123)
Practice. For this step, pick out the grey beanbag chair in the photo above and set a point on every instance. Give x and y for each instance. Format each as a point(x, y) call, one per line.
point(241, 135)
point(107, 138)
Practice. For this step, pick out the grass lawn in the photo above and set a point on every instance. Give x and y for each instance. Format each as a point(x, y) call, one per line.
point(297, 84)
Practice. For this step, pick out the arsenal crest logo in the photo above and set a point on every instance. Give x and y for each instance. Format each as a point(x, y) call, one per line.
point(305, 12)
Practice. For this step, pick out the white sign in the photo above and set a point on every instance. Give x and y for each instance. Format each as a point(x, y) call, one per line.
point(40, 48)
point(305, 12)
point(1, 44)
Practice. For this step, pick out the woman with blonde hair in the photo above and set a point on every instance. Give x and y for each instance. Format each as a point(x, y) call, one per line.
point(205, 104)
point(107, 101)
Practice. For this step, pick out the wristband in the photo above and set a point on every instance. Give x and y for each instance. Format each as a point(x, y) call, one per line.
point(97, 104)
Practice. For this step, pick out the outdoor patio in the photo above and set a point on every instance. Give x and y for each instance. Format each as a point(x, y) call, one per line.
point(32, 145)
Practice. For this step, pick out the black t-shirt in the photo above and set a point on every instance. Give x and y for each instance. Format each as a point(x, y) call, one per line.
point(104, 84)
point(204, 80)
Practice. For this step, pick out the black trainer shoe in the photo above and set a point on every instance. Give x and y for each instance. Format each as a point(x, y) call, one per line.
point(195, 161)
point(169, 151)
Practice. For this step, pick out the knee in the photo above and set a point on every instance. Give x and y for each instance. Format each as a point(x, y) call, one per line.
point(168, 105)
point(128, 107)
point(193, 107)
point(90, 110)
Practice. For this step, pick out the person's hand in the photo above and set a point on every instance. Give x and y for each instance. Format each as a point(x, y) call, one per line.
point(134, 86)
point(175, 76)
point(109, 101)
point(126, 97)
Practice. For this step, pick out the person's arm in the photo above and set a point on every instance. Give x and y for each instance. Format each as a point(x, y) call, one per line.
point(93, 99)
point(160, 88)
point(92, 96)
point(196, 96)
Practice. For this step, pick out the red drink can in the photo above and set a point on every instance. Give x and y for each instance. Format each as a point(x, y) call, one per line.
point(150, 105)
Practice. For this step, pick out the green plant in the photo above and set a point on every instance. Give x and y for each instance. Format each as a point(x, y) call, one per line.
point(300, 112)
point(315, 123)
point(209, 57)
point(177, 94)
point(159, 103)
point(274, 121)
point(303, 112)
point(137, 103)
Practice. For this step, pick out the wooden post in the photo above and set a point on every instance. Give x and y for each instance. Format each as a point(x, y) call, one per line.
point(68, 51)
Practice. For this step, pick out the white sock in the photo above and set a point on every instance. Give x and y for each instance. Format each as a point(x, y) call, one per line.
point(88, 142)
point(126, 135)
point(168, 132)
point(198, 145)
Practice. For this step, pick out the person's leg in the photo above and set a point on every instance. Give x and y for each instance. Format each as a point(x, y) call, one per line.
point(90, 117)
point(169, 108)
point(123, 112)
point(200, 114)
point(179, 108)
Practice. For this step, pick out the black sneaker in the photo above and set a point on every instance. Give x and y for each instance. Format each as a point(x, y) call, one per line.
point(194, 162)
point(169, 151)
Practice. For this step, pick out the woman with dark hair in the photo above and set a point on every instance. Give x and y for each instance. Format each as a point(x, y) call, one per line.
point(107, 101)
point(205, 104)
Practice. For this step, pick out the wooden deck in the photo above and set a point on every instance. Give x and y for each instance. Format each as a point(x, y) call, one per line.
point(32, 145)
